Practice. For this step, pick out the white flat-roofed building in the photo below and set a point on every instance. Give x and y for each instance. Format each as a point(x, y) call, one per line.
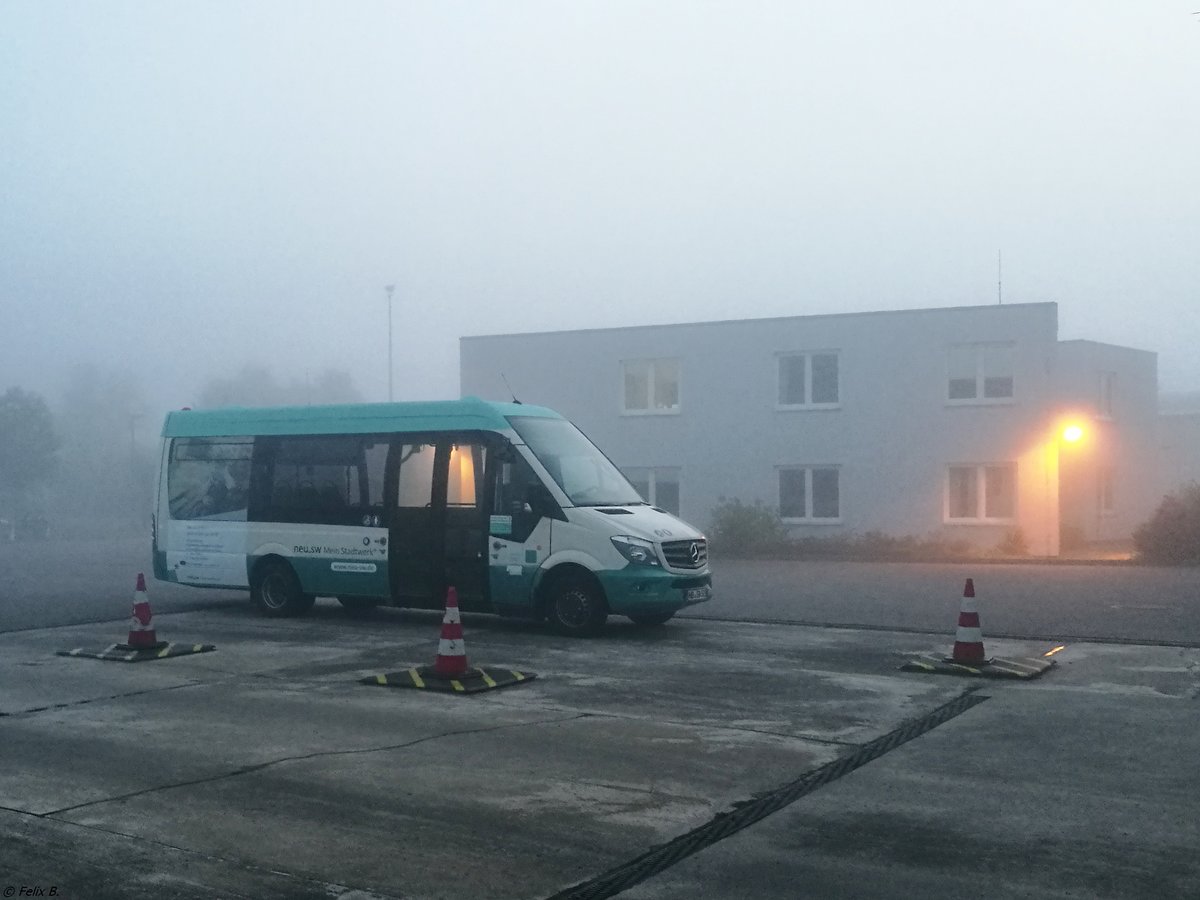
point(933, 422)
point(1179, 438)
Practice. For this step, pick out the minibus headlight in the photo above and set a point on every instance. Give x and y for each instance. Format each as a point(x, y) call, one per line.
point(636, 550)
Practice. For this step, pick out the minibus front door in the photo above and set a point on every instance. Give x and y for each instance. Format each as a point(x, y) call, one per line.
point(519, 532)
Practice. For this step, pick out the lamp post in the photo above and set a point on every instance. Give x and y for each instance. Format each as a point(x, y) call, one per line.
point(389, 288)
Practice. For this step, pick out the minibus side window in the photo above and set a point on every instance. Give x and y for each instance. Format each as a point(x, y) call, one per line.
point(327, 480)
point(415, 483)
point(209, 478)
point(375, 459)
point(466, 461)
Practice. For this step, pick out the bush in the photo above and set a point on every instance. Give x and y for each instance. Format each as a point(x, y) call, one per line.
point(754, 531)
point(1071, 536)
point(878, 546)
point(1172, 535)
point(739, 527)
point(1013, 543)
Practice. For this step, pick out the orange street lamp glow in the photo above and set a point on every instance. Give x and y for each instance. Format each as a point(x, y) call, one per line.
point(1072, 433)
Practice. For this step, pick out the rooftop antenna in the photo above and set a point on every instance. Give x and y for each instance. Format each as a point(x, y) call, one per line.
point(999, 278)
point(510, 390)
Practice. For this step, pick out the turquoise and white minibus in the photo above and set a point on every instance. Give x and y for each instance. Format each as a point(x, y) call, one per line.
point(394, 502)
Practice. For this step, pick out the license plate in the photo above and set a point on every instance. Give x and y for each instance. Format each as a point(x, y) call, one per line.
point(697, 595)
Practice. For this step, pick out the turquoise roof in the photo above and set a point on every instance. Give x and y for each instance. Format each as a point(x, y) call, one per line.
point(468, 414)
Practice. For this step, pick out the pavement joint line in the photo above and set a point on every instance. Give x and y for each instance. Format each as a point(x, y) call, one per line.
point(230, 677)
point(783, 734)
point(795, 623)
point(320, 754)
point(604, 714)
point(900, 629)
point(73, 703)
point(332, 888)
point(652, 796)
point(762, 804)
point(205, 607)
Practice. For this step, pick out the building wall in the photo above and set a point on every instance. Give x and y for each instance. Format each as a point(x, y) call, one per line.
point(892, 436)
point(1179, 437)
point(1113, 391)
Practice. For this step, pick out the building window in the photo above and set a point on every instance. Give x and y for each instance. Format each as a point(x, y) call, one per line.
point(980, 373)
point(981, 493)
point(1108, 383)
point(650, 386)
point(808, 380)
point(1105, 503)
point(810, 494)
point(658, 487)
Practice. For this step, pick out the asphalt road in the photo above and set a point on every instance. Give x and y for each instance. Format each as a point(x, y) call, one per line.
point(49, 583)
point(52, 583)
point(1052, 601)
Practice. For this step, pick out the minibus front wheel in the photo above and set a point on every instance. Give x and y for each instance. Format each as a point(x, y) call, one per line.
point(575, 605)
point(276, 590)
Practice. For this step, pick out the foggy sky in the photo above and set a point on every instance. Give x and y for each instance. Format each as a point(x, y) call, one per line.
point(186, 188)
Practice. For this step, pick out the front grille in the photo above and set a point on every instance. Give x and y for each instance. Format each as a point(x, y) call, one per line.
point(679, 554)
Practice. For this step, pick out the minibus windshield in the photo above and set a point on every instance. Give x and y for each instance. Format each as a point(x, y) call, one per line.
point(579, 468)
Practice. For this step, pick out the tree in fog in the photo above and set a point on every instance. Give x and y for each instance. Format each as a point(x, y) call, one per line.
point(108, 434)
point(257, 386)
point(28, 448)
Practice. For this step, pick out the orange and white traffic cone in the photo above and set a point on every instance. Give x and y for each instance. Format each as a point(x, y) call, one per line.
point(451, 659)
point(968, 640)
point(141, 626)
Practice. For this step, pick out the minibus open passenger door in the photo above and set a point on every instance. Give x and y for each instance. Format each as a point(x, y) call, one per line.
point(466, 522)
point(437, 523)
point(415, 545)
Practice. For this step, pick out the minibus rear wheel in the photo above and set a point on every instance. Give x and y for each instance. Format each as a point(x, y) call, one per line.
point(575, 606)
point(276, 590)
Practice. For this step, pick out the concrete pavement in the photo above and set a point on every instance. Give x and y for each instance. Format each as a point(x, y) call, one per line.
point(1082, 785)
point(266, 770)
